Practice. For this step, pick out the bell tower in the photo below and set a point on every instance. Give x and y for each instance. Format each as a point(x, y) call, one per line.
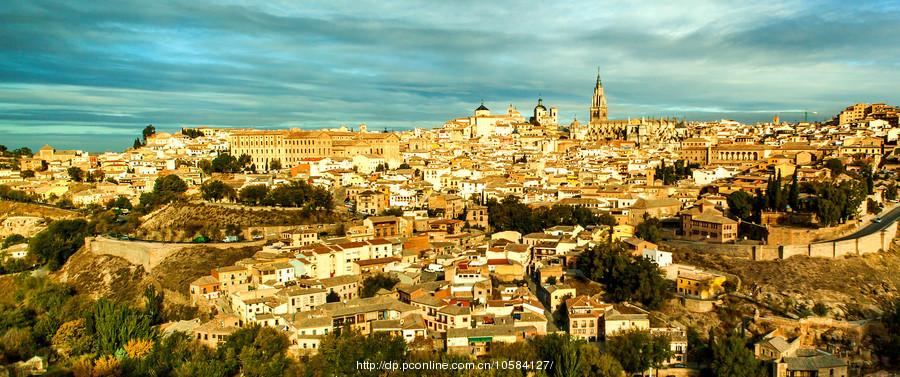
point(598, 103)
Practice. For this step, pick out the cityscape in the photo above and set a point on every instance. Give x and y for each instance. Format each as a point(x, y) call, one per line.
point(335, 213)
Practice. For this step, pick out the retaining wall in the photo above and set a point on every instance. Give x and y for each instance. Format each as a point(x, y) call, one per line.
point(872, 243)
point(148, 254)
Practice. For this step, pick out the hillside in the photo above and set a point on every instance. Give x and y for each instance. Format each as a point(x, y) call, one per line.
point(852, 287)
point(181, 221)
point(10, 208)
point(102, 275)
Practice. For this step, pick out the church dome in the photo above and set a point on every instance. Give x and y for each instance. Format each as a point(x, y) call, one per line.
point(482, 107)
point(540, 105)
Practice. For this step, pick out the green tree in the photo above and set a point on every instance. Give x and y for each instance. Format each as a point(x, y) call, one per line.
point(340, 351)
point(75, 174)
point(256, 351)
point(27, 173)
point(147, 132)
point(595, 363)
point(638, 351)
point(120, 202)
point(740, 204)
point(170, 184)
point(393, 211)
point(888, 341)
point(13, 239)
point(224, 163)
point(254, 194)
point(732, 358)
point(873, 206)
point(153, 304)
point(205, 166)
point(115, 324)
point(244, 160)
point(275, 164)
point(625, 277)
point(794, 193)
point(333, 297)
point(60, 240)
point(137, 143)
point(890, 192)
point(216, 190)
point(649, 230)
point(372, 283)
point(835, 165)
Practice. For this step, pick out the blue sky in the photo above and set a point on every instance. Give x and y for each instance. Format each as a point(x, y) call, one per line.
point(91, 74)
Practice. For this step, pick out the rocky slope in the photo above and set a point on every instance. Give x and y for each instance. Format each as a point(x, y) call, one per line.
point(181, 221)
point(100, 275)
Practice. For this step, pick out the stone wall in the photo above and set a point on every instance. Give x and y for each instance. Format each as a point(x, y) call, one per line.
point(149, 254)
point(740, 251)
point(781, 235)
point(873, 243)
point(765, 252)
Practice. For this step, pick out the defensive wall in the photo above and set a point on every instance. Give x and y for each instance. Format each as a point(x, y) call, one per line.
point(872, 243)
point(149, 254)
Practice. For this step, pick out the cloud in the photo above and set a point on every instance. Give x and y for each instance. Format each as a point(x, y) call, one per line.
point(67, 67)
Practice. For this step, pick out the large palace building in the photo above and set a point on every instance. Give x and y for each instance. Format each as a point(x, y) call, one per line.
point(290, 147)
point(639, 130)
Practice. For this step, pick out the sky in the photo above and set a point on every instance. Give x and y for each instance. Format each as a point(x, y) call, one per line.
point(91, 74)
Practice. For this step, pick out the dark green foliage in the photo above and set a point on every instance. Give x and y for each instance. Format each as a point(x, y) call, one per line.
point(192, 133)
point(338, 354)
point(740, 205)
point(147, 132)
point(225, 163)
point(372, 283)
point(165, 190)
point(137, 143)
point(275, 164)
point(254, 194)
point(216, 190)
point(888, 341)
point(7, 193)
point(670, 174)
point(13, 239)
point(115, 324)
point(890, 192)
point(626, 278)
point(835, 203)
point(333, 297)
point(638, 351)
point(794, 193)
point(120, 202)
point(256, 351)
point(649, 230)
point(75, 174)
point(170, 183)
point(731, 357)
point(510, 214)
point(60, 240)
point(294, 194)
point(393, 211)
point(27, 173)
point(873, 206)
point(835, 165)
point(153, 304)
point(820, 309)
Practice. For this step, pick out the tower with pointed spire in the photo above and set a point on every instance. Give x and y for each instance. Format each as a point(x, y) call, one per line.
point(598, 103)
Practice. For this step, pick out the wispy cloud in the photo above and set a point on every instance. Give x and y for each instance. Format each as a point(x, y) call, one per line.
point(76, 68)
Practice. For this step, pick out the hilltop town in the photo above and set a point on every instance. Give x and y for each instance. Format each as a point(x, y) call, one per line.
point(704, 246)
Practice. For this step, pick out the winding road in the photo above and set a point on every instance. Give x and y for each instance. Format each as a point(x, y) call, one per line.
point(886, 220)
